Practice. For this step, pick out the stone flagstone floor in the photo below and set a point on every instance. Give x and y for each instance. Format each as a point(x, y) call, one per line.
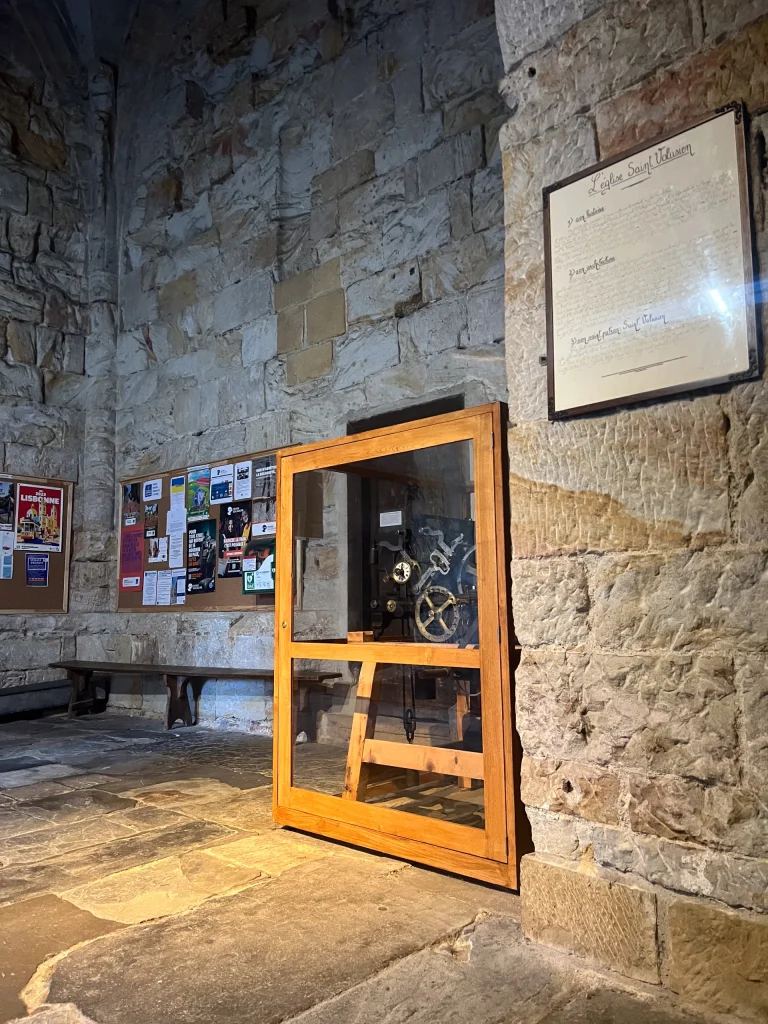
point(143, 880)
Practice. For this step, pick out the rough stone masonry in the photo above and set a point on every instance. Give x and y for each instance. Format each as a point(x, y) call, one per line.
point(281, 216)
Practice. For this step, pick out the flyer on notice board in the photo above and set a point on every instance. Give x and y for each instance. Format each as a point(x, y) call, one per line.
point(7, 504)
point(222, 484)
point(38, 517)
point(198, 492)
point(36, 570)
point(6, 556)
point(131, 557)
point(201, 557)
point(131, 507)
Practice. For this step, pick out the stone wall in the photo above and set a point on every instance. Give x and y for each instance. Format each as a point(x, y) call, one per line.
point(57, 335)
point(311, 231)
point(640, 542)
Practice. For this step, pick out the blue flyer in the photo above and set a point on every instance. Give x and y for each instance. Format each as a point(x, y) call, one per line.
point(37, 570)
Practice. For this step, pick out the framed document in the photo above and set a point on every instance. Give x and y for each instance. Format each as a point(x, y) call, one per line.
point(649, 271)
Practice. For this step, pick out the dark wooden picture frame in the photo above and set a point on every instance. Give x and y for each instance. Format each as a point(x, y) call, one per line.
point(753, 345)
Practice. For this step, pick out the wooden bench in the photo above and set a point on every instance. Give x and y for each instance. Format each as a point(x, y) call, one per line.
point(177, 678)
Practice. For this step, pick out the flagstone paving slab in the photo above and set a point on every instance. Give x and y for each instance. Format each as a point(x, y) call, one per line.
point(91, 863)
point(27, 776)
point(268, 952)
point(32, 931)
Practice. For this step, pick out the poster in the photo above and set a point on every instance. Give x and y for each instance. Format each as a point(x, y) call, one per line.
point(176, 520)
point(243, 488)
point(151, 517)
point(178, 586)
point(649, 271)
point(265, 496)
point(6, 555)
point(176, 550)
point(152, 490)
point(158, 549)
point(234, 529)
point(222, 484)
point(259, 567)
point(36, 570)
point(199, 493)
point(7, 504)
point(164, 585)
point(38, 517)
point(149, 591)
point(131, 504)
point(178, 489)
point(201, 557)
point(131, 557)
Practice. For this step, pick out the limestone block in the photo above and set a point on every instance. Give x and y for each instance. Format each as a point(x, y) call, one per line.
point(657, 479)
point(734, 880)
point(290, 329)
point(451, 159)
point(527, 26)
point(747, 410)
point(325, 317)
point(260, 341)
point(136, 306)
point(609, 922)
point(176, 296)
point(309, 364)
point(434, 328)
point(13, 190)
point(242, 303)
point(485, 108)
point(718, 958)
point(686, 602)
point(353, 73)
point(752, 683)
point(416, 229)
point(724, 19)
point(487, 199)
point(30, 651)
point(457, 267)
point(18, 304)
point(137, 389)
point(460, 205)
point(365, 352)
point(381, 294)
point(406, 87)
point(550, 601)
point(675, 715)
point(22, 382)
point(184, 226)
point(361, 123)
point(724, 818)
point(195, 409)
point(568, 787)
point(485, 314)
point(373, 202)
point(414, 136)
point(346, 174)
point(20, 338)
point(133, 354)
point(22, 235)
point(324, 220)
point(672, 97)
point(241, 396)
point(529, 167)
point(470, 65)
point(598, 57)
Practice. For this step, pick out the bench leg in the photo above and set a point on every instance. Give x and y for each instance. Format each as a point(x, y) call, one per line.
point(83, 691)
point(177, 706)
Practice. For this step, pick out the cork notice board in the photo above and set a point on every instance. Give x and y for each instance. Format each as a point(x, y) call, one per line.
point(145, 503)
point(35, 544)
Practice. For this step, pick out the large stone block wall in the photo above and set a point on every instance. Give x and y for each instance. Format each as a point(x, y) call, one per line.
point(640, 579)
point(311, 231)
point(57, 322)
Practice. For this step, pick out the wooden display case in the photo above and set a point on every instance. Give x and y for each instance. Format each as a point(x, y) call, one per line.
point(409, 749)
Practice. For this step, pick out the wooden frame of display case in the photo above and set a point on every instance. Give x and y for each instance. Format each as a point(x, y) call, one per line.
point(487, 853)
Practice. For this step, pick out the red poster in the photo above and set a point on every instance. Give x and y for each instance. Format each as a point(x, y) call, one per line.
point(131, 557)
point(38, 518)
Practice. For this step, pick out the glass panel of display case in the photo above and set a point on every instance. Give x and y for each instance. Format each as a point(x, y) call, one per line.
point(387, 548)
point(403, 737)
